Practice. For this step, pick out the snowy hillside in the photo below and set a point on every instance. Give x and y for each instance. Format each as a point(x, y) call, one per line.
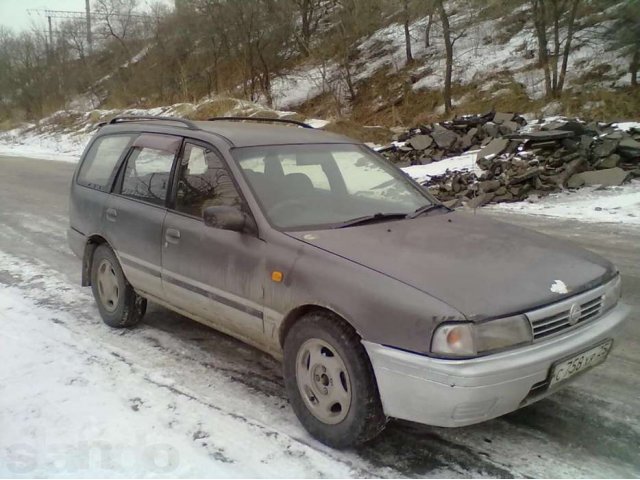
point(487, 54)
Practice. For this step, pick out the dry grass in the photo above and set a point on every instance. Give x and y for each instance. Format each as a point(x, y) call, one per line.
point(322, 106)
point(215, 108)
point(355, 130)
point(8, 124)
point(604, 105)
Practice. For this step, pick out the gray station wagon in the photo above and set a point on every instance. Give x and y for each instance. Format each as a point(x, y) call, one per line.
point(380, 301)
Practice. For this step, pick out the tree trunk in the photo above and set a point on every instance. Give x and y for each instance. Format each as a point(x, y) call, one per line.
point(556, 44)
point(567, 46)
point(448, 44)
point(349, 80)
point(266, 76)
point(633, 66)
point(305, 15)
point(407, 33)
point(539, 21)
point(427, 32)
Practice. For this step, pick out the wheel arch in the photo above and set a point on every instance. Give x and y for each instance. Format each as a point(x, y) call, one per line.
point(301, 311)
point(93, 241)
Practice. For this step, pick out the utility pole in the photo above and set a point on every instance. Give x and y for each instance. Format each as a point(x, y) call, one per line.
point(89, 36)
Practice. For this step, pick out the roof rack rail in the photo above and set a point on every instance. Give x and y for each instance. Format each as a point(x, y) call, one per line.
point(261, 119)
point(135, 118)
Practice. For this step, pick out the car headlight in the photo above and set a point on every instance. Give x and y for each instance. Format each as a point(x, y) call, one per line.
point(471, 339)
point(454, 340)
point(612, 294)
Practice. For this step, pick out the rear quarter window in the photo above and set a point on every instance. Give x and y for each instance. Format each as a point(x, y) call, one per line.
point(97, 169)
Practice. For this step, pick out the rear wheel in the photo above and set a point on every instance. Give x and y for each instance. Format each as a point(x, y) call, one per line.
point(118, 303)
point(330, 381)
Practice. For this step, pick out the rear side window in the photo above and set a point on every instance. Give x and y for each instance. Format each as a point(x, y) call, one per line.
point(97, 170)
point(146, 175)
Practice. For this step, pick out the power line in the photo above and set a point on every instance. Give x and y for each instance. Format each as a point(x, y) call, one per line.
point(86, 16)
point(83, 14)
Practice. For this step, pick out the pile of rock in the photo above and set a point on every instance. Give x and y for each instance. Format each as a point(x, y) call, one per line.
point(430, 143)
point(516, 160)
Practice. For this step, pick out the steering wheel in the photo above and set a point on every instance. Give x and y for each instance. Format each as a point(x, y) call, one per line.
point(282, 206)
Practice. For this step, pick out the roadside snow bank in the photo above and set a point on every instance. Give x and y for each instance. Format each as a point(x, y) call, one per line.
point(63, 135)
point(64, 147)
point(79, 400)
point(589, 204)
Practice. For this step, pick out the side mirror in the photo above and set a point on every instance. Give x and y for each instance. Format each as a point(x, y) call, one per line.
point(226, 218)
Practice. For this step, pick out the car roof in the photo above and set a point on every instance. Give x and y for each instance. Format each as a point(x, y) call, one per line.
point(237, 133)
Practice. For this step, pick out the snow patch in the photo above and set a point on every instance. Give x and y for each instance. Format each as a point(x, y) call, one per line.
point(589, 204)
point(465, 162)
point(626, 126)
point(78, 400)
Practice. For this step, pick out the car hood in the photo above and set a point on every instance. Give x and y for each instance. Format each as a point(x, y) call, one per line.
point(481, 267)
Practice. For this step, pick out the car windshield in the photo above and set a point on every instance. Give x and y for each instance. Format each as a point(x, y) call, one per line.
point(328, 185)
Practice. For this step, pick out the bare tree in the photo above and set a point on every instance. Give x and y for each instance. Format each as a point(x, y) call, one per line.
point(311, 13)
point(559, 16)
point(118, 20)
point(6, 73)
point(407, 33)
point(625, 35)
point(427, 31)
point(448, 45)
point(354, 19)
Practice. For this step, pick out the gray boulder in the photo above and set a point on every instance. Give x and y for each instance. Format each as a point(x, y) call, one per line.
point(444, 138)
point(611, 161)
point(495, 147)
point(611, 177)
point(501, 117)
point(629, 147)
point(420, 142)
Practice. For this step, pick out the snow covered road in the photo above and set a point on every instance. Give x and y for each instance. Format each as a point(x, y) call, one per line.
point(174, 398)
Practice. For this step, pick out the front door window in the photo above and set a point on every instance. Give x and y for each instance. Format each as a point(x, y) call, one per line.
point(203, 181)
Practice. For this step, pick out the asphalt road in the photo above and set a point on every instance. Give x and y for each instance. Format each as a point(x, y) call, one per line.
point(589, 429)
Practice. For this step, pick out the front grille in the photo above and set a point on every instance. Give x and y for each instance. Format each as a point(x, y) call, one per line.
point(559, 322)
point(554, 319)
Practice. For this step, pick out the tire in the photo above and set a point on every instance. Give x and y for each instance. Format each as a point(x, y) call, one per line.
point(119, 305)
point(330, 381)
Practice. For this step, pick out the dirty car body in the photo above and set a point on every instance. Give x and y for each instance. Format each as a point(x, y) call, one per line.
point(462, 318)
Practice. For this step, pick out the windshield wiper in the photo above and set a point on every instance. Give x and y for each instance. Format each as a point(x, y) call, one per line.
point(376, 217)
point(426, 209)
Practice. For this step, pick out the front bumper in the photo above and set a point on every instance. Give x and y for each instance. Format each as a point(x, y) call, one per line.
point(454, 393)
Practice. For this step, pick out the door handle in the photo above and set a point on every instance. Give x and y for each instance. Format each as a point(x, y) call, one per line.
point(172, 235)
point(112, 214)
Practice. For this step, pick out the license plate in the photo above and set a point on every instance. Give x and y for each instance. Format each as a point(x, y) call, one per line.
point(566, 369)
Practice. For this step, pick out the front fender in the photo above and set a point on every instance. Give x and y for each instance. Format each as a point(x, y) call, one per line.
point(382, 310)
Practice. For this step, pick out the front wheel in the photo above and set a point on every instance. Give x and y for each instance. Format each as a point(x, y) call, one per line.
point(119, 305)
point(330, 382)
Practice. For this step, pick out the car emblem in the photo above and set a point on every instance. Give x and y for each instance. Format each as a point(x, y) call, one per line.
point(574, 314)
